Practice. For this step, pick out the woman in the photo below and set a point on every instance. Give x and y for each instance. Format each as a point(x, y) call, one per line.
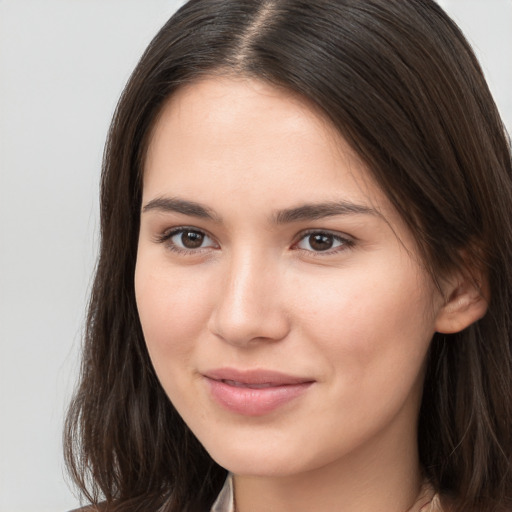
point(303, 292)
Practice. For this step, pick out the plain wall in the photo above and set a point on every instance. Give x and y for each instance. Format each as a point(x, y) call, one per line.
point(63, 64)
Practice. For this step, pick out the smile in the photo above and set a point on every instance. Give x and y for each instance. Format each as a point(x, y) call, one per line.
point(245, 385)
point(254, 393)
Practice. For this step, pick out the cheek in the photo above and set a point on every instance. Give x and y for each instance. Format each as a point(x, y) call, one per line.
point(172, 311)
point(375, 322)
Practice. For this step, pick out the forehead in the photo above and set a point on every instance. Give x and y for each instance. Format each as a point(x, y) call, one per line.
point(241, 112)
point(243, 138)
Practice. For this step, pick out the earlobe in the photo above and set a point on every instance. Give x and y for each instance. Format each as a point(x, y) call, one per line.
point(465, 304)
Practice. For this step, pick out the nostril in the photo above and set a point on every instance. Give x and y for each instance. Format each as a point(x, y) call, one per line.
point(244, 325)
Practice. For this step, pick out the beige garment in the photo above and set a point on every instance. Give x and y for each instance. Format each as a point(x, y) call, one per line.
point(427, 501)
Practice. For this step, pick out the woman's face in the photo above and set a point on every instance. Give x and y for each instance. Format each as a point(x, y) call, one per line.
point(283, 304)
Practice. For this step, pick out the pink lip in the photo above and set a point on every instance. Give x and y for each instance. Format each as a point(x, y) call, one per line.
point(254, 392)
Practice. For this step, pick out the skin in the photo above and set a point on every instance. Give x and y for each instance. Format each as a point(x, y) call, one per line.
point(356, 319)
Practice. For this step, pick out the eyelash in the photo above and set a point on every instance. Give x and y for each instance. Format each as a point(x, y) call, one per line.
point(166, 238)
point(345, 243)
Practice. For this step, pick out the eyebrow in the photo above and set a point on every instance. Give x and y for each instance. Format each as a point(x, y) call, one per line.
point(173, 204)
point(305, 212)
point(321, 210)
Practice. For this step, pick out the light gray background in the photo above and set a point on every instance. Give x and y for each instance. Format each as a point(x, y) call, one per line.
point(63, 64)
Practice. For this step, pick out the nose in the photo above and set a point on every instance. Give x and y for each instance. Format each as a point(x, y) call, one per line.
point(249, 308)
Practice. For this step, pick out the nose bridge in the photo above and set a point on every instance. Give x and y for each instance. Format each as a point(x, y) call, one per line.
point(249, 306)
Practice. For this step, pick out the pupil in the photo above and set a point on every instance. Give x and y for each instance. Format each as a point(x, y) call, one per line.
point(321, 242)
point(192, 239)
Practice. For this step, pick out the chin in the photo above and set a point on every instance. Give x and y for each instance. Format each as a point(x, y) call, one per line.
point(259, 466)
point(270, 457)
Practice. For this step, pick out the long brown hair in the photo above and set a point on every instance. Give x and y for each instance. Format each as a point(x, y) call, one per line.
point(401, 84)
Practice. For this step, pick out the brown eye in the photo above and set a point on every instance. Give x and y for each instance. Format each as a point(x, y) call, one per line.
point(188, 239)
point(322, 242)
point(191, 239)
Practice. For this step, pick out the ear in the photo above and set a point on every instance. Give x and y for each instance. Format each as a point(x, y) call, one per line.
point(466, 300)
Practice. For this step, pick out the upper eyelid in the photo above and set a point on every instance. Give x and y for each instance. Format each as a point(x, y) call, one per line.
point(165, 237)
point(169, 232)
point(347, 242)
point(330, 232)
point(166, 234)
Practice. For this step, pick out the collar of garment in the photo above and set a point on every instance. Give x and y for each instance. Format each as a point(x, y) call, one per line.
point(427, 501)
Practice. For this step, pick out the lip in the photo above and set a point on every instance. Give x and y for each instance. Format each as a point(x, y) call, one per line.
point(254, 392)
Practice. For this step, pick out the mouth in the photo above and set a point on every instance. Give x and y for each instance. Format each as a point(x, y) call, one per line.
point(254, 392)
point(247, 385)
